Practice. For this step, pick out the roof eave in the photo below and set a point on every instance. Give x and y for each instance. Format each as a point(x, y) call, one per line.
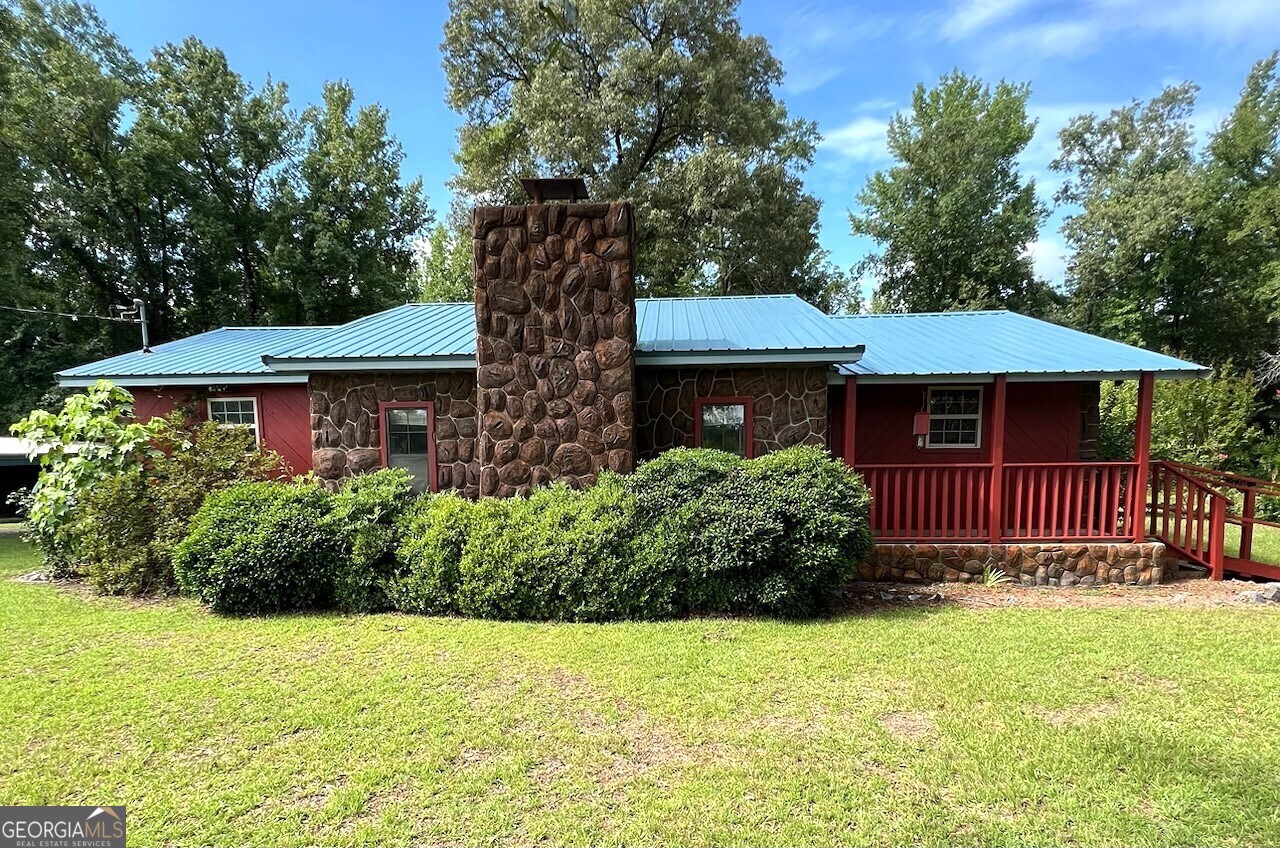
point(303, 365)
point(817, 356)
point(127, 380)
point(1029, 376)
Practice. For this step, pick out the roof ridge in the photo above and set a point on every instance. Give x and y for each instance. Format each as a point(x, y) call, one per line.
point(281, 327)
point(932, 314)
point(780, 295)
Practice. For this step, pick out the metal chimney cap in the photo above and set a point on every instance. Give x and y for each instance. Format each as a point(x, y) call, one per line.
point(542, 189)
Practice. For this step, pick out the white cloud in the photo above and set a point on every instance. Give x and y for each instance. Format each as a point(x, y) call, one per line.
point(812, 42)
point(1049, 255)
point(1228, 22)
point(1007, 34)
point(862, 139)
point(974, 15)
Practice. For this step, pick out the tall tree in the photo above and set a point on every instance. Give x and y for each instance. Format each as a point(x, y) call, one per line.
point(1243, 176)
point(175, 181)
point(443, 266)
point(1170, 248)
point(348, 247)
point(664, 102)
point(954, 217)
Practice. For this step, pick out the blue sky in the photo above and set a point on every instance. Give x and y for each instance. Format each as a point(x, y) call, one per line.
point(850, 66)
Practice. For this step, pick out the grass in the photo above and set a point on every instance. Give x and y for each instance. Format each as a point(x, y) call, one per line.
point(1130, 726)
point(1266, 543)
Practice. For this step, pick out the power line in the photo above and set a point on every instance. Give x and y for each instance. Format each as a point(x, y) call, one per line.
point(72, 315)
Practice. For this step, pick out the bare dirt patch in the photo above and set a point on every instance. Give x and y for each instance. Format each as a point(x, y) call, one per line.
point(1078, 715)
point(1195, 594)
point(912, 726)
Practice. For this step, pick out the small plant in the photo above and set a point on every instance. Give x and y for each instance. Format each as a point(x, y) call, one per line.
point(993, 576)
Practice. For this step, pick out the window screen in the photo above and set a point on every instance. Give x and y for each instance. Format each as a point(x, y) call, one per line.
point(235, 412)
point(955, 417)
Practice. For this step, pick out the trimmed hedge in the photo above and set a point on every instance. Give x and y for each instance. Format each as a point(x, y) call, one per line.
point(364, 521)
point(260, 548)
point(433, 534)
point(694, 531)
point(779, 534)
point(565, 555)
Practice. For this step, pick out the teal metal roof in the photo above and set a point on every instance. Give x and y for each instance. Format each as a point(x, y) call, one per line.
point(703, 330)
point(443, 333)
point(670, 331)
point(780, 327)
point(229, 354)
point(963, 344)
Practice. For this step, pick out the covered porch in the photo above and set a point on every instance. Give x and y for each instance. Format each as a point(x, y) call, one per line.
point(982, 485)
point(977, 435)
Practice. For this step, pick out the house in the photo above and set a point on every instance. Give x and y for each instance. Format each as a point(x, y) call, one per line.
point(977, 432)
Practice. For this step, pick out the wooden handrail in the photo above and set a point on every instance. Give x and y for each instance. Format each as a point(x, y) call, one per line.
point(1239, 482)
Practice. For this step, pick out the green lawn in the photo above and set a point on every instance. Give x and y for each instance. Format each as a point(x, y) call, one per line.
point(1133, 726)
point(1266, 543)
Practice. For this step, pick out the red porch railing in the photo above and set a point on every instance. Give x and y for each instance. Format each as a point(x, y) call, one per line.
point(1066, 501)
point(1040, 501)
point(929, 503)
point(1178, 493)
point(1188, 516)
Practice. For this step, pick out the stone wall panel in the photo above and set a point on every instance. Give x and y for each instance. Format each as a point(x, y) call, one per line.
point(346, 430)
point(1056, 564)
point(555, 323)
point(789, 405)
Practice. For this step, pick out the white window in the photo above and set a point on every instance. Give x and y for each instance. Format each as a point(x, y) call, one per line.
point(955, 417)
point(235, 412)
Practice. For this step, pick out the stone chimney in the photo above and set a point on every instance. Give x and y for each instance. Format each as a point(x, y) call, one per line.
point(555, 339)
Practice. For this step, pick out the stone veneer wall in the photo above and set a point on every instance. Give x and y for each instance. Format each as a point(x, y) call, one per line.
point(789, 405)
point(346, 431)
point(555, 346)
point(1054, 564)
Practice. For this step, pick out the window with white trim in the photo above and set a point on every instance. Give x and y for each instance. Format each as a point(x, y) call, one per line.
point(235, 412)
point(955, 417)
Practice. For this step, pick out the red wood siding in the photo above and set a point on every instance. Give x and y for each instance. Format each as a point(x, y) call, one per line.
point(284, 414)
point(1042, 424)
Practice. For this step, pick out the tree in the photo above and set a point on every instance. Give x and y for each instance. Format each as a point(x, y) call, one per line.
point(175, 181)
point(347, 249)
point(662, 102)
point(443, 267)
point(1203, 422)
point(1171, 248)
point(954, 218)
point(1243, 176)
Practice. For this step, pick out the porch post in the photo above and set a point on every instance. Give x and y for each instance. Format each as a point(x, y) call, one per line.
point(850, 417)
point(1142, 456)
point(995, 522)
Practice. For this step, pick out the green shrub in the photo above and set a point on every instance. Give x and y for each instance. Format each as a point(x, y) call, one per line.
point(823, 507)
point(116, 542)
point(132, 521)
point(433, 534)
point(563, 554)
point(777, 534)
point(92, 438)
point(365, 514)
point(261, 547)
point(679, 477)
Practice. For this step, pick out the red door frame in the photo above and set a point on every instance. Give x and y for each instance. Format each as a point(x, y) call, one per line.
point(430, 407)
point(747, 412)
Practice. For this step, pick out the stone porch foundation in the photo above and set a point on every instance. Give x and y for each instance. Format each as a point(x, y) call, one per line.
point(1058, 564)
